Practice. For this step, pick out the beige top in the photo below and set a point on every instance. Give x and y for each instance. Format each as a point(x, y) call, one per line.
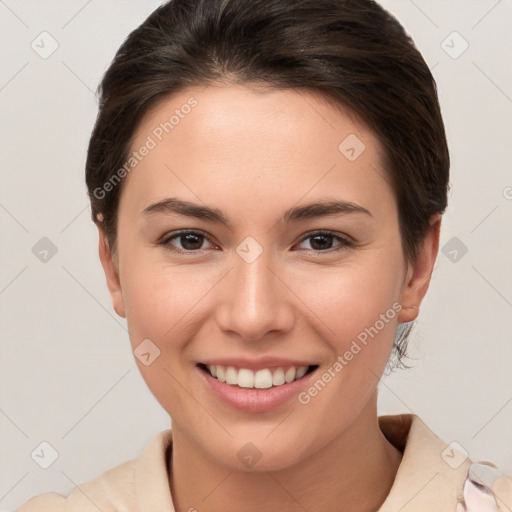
point(432, 476)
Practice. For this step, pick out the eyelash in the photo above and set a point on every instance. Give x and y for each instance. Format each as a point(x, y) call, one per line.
point(345, 242)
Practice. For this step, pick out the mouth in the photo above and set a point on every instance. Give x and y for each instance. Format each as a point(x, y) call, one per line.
point(264, 378)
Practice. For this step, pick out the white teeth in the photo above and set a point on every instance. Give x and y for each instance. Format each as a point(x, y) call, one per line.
point(301, 372)
point(231, 376)
point(245, 378)
point(289, 376)
point(278, 377)
point(261, 379)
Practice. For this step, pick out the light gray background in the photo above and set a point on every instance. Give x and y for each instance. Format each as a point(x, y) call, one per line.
point(67, 374)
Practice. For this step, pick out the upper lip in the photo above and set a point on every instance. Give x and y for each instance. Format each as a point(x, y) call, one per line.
point(257, 364)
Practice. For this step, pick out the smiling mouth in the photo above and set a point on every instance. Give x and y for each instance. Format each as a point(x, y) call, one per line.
point(261, 379)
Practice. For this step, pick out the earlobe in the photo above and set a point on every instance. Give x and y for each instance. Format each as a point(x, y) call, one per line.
point(111, 273)
point(420, 272)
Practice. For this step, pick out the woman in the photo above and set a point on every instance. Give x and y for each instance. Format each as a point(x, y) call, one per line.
point(268, 179)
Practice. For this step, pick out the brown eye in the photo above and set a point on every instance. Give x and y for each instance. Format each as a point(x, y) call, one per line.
point(189, 241)
point(322, 241)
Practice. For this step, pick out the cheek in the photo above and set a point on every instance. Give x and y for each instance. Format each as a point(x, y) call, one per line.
point(162, 300)
point(351, 298)
point(162, 303)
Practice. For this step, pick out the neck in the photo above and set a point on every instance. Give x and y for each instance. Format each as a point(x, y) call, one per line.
point(355, 472)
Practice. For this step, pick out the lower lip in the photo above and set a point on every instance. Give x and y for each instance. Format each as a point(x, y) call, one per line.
point(254, 400)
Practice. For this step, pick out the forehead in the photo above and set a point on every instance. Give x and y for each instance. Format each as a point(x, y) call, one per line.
point(227, 115)
point(226, 142)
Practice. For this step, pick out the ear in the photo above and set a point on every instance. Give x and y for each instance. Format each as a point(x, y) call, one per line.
point(419, 273)
point(110, 268)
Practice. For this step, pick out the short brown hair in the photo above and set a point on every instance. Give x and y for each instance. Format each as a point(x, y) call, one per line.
point(351, 51)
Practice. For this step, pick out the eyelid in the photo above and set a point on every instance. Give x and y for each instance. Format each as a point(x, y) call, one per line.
point(345, 240)
point(166, 239)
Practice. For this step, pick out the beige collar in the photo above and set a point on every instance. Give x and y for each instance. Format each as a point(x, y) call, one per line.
point(431, 474)
point(427, 479)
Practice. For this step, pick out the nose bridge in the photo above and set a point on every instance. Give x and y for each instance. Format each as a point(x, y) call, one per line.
point(254, 301)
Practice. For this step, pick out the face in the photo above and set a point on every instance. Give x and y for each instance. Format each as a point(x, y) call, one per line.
point(248, 274)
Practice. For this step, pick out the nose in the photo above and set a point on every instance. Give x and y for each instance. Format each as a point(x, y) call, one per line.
point(255, 301)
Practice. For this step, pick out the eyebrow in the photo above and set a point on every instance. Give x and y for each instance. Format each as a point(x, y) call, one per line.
point(297, 213)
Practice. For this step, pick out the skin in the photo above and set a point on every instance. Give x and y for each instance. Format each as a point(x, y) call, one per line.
point(253, 154)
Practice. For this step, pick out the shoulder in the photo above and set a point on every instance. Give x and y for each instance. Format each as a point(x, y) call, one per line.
point(139, 484)
point(105, 493)
point(435, 475)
